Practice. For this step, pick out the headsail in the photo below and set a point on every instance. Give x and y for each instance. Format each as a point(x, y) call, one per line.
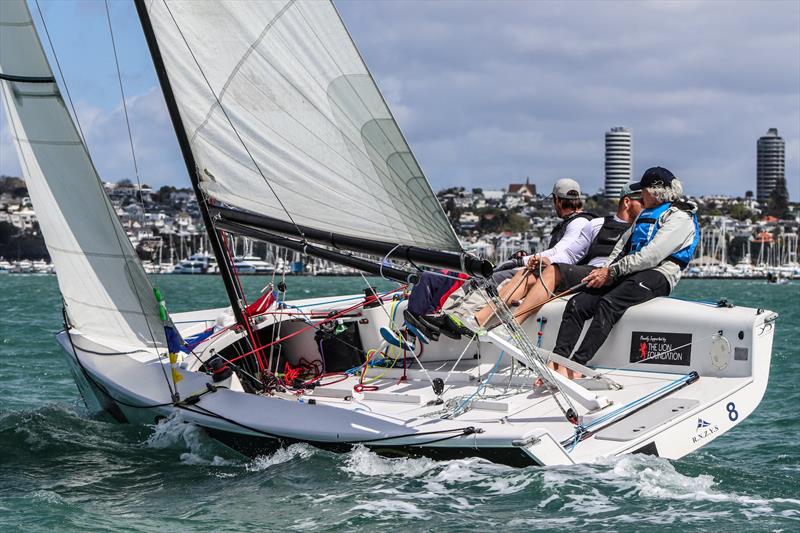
point(105, 288)
point(285, 120)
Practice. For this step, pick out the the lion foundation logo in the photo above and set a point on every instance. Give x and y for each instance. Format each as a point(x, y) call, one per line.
point(661, 348)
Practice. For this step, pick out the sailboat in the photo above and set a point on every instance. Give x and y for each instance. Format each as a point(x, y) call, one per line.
point(287, 140)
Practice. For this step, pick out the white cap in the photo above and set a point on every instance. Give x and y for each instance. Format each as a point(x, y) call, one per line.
point(567, 188)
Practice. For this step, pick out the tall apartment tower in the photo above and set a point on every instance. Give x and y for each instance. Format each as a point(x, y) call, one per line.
point(770, 165)
point(619, 166)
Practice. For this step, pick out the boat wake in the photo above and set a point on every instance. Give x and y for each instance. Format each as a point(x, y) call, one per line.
point(175, 432)
point(361, 487)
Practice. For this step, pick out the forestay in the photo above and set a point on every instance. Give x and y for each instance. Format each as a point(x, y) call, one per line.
point(285, 120)
point(106, 291)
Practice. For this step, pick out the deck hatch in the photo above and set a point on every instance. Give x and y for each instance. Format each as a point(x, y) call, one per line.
point(648, 418)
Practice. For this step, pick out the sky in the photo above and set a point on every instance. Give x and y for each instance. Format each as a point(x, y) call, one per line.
point(491, 93)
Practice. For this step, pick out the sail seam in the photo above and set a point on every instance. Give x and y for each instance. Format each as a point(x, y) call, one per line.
point(92, 254)
point(332, 224)
point(326, 186)
point(49, 143)
point(239, 65)
point(252, 48)
point(354, 143)
point(238, 136)
point(433, 214)
point(106, 308)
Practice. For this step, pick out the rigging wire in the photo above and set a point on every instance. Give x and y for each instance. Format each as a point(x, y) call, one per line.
point(527, 348)
point(127, 118)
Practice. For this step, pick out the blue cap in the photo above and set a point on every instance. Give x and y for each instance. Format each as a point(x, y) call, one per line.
point(654, 177)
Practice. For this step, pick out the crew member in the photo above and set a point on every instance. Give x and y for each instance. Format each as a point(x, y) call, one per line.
point(646, 262)
point(565, 238)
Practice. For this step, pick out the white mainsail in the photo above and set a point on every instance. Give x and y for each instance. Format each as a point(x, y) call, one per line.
point(106, 291)
point(285, 120)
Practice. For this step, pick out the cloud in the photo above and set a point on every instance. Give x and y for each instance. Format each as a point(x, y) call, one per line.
point(495, 91)
point(491, 92)
point(157, 154)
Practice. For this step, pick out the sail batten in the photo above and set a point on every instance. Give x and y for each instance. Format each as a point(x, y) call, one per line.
point(284, 119)
point(106, 292)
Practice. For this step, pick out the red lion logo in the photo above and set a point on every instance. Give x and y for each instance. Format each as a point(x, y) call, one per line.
point(642, 350)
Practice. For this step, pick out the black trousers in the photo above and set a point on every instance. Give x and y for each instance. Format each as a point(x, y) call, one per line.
point(606, 305)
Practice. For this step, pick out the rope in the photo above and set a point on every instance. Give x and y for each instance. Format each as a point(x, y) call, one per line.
point(529, 350)
point(383, 261)
point(482, 385)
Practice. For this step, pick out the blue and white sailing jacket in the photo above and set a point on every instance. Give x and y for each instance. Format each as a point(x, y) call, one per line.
point(662, 238)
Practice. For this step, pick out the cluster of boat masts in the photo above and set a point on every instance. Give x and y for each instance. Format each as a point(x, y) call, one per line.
point(205, 263)
point(776, 260)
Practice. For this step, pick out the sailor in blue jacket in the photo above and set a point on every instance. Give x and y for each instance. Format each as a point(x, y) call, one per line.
point(647, 262)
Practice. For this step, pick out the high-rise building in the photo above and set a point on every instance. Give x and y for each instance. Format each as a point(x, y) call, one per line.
point(619, 166)
point(770, 165)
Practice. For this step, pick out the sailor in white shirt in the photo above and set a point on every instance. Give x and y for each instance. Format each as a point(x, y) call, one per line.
point(568, 204)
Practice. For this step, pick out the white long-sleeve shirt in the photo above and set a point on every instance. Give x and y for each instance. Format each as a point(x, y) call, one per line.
point(567, 250)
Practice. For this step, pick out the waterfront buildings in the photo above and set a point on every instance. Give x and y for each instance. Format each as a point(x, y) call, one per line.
point(619, 160)
point(770, 166)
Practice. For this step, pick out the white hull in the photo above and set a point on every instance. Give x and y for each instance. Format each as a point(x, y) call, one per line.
point(511, 423)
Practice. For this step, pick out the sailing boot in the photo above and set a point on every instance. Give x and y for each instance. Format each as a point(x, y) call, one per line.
point(420, 328)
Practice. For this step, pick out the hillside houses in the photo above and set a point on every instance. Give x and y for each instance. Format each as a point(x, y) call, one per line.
point(490, 222)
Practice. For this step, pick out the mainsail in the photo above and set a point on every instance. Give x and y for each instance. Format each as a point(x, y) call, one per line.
point(105, 289)
point(285, 120)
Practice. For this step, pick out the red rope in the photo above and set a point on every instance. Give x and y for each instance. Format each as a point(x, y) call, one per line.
point(299, 331)
point(310, 326)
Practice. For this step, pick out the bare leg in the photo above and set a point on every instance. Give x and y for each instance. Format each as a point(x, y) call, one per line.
point(515, 289)
point(564, 371)
point(538, 294)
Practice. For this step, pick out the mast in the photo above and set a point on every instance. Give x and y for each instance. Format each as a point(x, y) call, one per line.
point(225, 267)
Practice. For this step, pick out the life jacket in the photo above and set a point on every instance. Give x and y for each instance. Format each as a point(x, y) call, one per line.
point(603, 244)
point(648, 224)
point(561, 228)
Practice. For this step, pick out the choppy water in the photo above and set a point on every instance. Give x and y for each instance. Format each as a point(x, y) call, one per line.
point(60, 470)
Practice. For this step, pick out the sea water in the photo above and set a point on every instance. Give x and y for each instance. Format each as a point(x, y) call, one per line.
point(61, 470)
